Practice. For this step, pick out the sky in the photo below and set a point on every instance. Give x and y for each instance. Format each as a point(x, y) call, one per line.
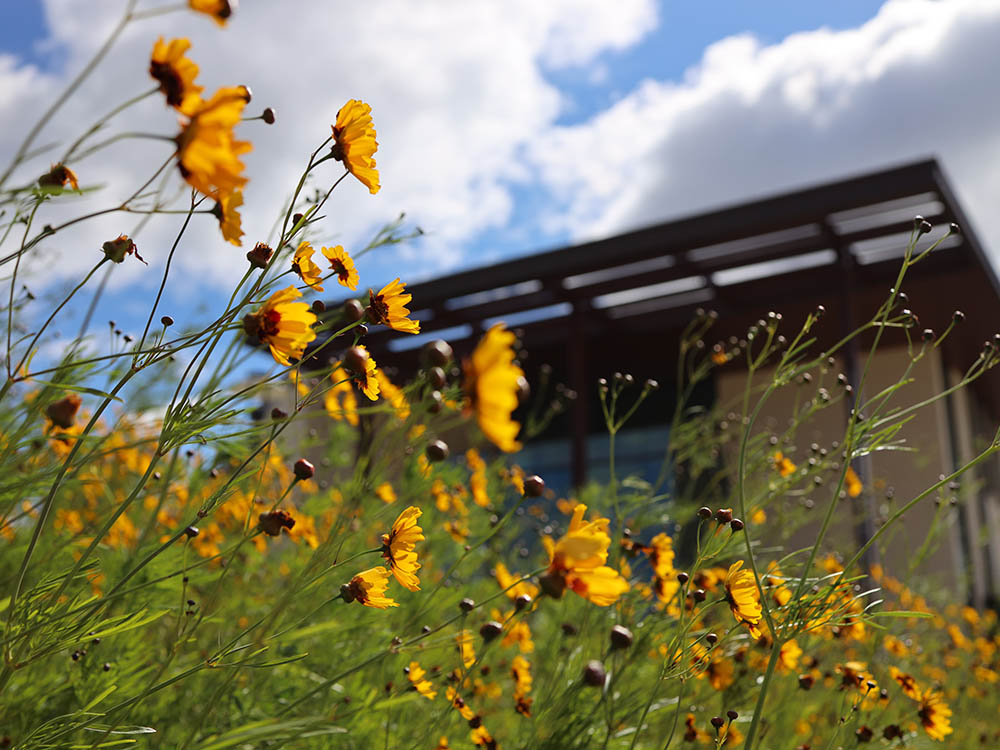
point(505, 128)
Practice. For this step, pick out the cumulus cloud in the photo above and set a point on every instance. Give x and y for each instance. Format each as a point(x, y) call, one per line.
point(917, 80)
point(458, 91)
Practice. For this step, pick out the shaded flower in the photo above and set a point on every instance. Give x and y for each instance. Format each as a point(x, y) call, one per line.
point(229, 218)
point(368, 588)
point(272, 522)
point(305, 268)
point(355, 144)
point(388, 308)
point(852, 482)
point(207, 150)
point(342, 265)
point(59, 175)
point(906, 682)
point(283, 324)
point(398, 548)
point(62, 413)
point(743, 597)
point(175, 73)
point(368, 380)
point(219, 10)
point(492, 384)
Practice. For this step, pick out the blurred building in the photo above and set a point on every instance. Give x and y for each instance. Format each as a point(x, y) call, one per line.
point(621, 304)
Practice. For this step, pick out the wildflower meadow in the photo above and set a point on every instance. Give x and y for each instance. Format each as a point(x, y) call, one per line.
point(328, 555)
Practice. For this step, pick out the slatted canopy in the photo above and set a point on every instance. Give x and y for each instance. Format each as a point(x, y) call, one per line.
point(837, 244)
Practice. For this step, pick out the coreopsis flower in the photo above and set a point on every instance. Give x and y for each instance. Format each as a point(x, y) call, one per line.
point(394, 395)
point(661, 556)
point(207, 150)
point(492, 384)
point(355, 144)
point(385, 493)
point(465, 642)
point(852, 482)
point(520, 670)
point(458, 702)
point(342, 265)
point(340, 401)
point(283, 324)
point(398, 547)
point(272, 522)
point(935, 715)
point(743, 597)
point(442, 744)
point(577, 561)
point(229, 218)
point(512, 585)
point(175, 73)
point(62, 413)
point(59, 175)
point(415, 675)
point(788, 658)
point(305, 268)
point(368, 588)
point(368, 381)
point(783, 464)
point(219, 10)
point(906, 682)
point(388, 308)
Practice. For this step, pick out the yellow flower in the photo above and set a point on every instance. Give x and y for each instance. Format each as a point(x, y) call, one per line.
point(388, 307)
point(661, 556)
point(207, 150)
point(415, 674)
point(305, 268)
point(577, 560)
point(219, 10)
point(283, 324)
point(340, 401)
point(442, 744)
point(175, 73)
point(789, 656)
point(385, 493)
point(395, 395)
point(783, 464)
point(852, 482)
point(368, 380)
point(398, 548)
point(512, 585)
point(466, 648)
point(743, 597)
point(520, 670)
point(368, 588)
point(342, 265)
point(229, 218)
point(355, 144)
point(492, 384)
point(906, 682)
point(935, 715)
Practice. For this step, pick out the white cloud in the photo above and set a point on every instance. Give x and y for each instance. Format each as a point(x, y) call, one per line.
point(457, 89)
point(917, 80)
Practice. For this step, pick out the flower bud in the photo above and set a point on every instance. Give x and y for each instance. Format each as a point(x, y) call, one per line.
point(355, 360)
point(303, 469)
point(490, 630)
point(522, 602)
point(439, 353)
point(534, 486)
point(724, 515)
point(191, 532)
point(353, 310)
point(436, 450)
point(268, 115)
point(736, 524)
point(436, 377)
point(260, 255)
point(704, 512)
point(621, 637)
point(594, 674)
point(167, 321)
point(718, 721)
point(466, 605)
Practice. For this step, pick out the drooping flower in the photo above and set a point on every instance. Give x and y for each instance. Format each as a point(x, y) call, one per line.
point(398, 547)
point(415, 674)
point(906, 682)
point(935, 715)
point(577, 561)
point(520, 670)
point(207, 150)
point(355, 144)
point(492, 385)
point(219, 10)
point(305, 268)
point(342, 265)
point(388, 308)
point(368, 588)
point(368, 380)
point(283, 324)
point(175, 73)
point(743, 597)
point(229, 218)
point(59, 176)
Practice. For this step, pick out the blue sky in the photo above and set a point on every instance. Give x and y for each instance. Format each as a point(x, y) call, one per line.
point(505, 130)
